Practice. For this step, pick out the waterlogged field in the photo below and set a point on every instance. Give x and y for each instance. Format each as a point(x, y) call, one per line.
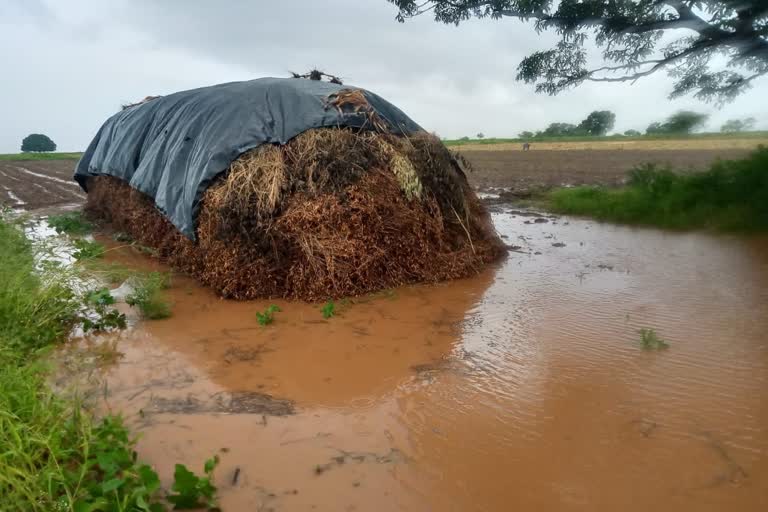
point(598, 368)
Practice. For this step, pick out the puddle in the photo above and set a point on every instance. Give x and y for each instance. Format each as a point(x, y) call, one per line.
point(523, 388)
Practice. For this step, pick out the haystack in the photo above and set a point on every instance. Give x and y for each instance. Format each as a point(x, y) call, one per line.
point(334, 212)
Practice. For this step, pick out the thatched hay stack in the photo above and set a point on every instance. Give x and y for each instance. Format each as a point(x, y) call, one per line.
point(334, 212)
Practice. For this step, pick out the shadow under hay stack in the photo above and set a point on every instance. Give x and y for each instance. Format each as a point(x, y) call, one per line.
point(333, 211)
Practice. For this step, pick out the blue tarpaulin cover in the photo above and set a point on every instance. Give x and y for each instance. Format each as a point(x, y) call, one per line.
point(172, 147)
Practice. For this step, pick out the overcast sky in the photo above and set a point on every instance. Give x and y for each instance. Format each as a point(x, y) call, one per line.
point(67, 66)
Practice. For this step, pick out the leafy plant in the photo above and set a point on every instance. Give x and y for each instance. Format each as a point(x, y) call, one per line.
point(191, 491)
point(100, 297)
point(267, 317)
point(87, 249)
point(649, 340)
point(72, 223)
point(105, 318)
point(328, 310)
point(147, 295)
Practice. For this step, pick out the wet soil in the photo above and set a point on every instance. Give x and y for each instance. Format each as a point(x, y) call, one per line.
point(32, 185)
point(522, 388)
point(525, 170)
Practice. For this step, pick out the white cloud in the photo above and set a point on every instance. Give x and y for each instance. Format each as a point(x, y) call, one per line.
point(75, 63)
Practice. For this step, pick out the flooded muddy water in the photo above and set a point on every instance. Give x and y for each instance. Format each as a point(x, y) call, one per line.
point(525, 388)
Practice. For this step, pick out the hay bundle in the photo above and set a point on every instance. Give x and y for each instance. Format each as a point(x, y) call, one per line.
point(334, 212)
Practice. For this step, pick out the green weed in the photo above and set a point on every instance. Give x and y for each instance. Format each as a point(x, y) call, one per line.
point(328, 310)
point(72, 223)
point(267, 316)
point(649, 340)
point(147, 295)
point(730, 196)
point(87, 250)
point(103, 318)
point(194, 492)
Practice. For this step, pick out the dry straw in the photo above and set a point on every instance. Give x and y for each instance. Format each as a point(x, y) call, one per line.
point(334, 212)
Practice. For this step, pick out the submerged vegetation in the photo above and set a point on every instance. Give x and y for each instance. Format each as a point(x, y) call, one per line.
point(731, 196)
point(328, 310)
point(268, 315)
point(54, 455)
point(649, 340)
point(147, 295)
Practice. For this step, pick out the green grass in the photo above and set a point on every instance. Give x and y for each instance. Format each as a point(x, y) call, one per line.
point(41, 156)
point(588, 138)
point(730, 196)
point(147, 295)
point(33, 315)
point(54, 455)
point(87, 249)
point(72, 223)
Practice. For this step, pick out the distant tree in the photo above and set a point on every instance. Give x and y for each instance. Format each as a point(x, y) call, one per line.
point(738, 125)
point(526, 135)
point(37, 142)
point(480, 135)
point(655, 128)
point(559, 130)
point(690, 39)
point(632, 133)
point(598, 122)
point(683, 121)
point(464, 138)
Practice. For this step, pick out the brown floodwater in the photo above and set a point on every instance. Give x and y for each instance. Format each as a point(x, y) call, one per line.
point(524, 388)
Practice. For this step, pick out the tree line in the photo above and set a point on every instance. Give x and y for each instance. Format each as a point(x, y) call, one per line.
point(600, 122)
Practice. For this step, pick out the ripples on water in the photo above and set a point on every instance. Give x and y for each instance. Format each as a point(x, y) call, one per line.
point(524, 388)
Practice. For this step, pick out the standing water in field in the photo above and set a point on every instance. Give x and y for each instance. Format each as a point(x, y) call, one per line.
point(525, 388)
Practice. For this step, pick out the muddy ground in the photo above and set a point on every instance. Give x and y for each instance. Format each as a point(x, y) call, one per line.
point(32, 185)
point(531, 169)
